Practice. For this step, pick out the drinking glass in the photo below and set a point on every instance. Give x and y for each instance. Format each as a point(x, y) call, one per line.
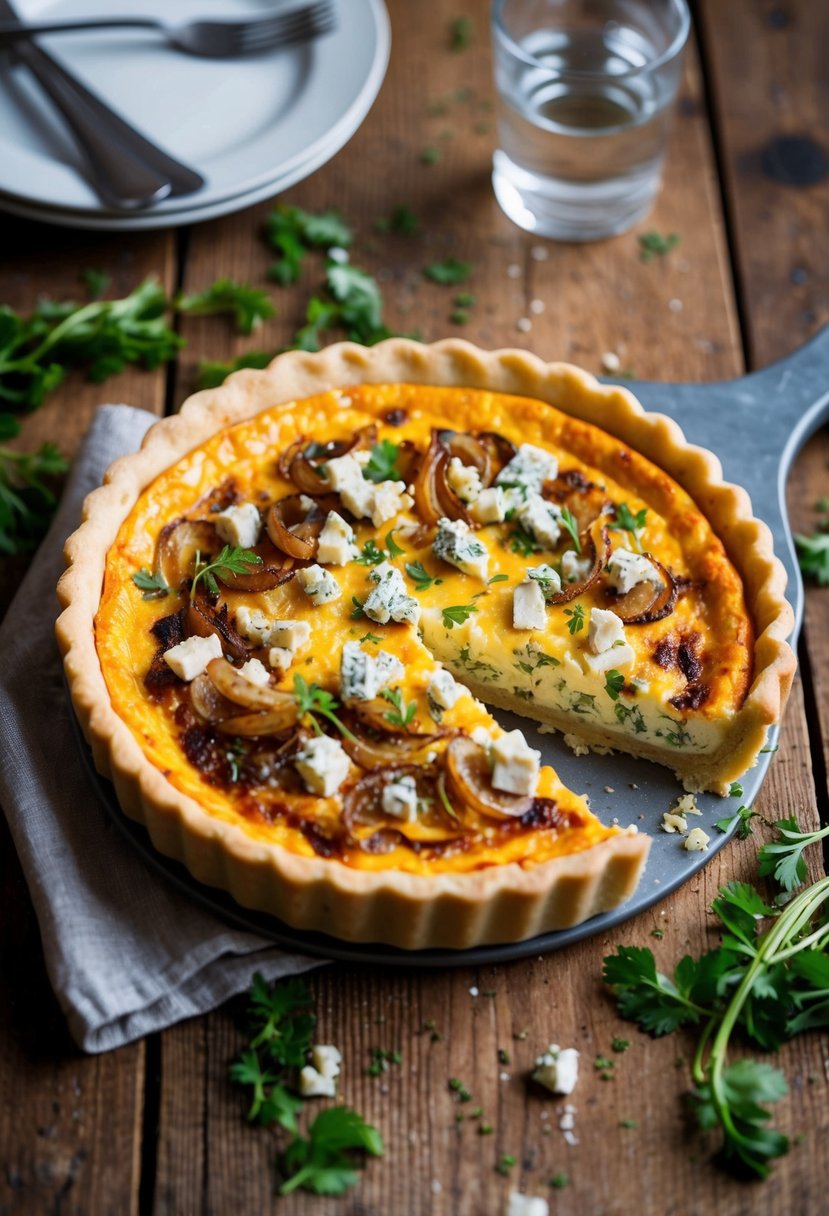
point(585, 98)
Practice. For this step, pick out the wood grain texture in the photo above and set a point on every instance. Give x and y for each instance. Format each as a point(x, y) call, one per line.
point(70, 1125)
point(670, 319)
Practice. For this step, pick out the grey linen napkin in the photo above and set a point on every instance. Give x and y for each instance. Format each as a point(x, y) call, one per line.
point(126, 953)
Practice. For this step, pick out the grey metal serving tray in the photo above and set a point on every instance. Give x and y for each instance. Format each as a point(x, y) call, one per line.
point(756, 425)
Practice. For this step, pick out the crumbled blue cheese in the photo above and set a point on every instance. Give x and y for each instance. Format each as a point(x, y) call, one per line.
point(626, 570)
point(608, 648)
point(400, 799)
point(318, 584)
point(442, 691)
point(515, 764)
point(280, 658)
point(455, 543)
point(345, 475)
point(323, 765)
point(389, 601)
point(548, 580)
point(189, 658)
point(529, 609)
point(672, 823)
point(464, 479)
point(255, 673)
point(529, 468)
point(239, 526)
point(293, 635)
point(336, 541)
point(312, 1084)
point(557, 1069)
point(604, 630)
point(527, 1205)
point(696, 841)
point(490, 507)
point(365, 499)
point(362, 675)
point(541, 519)
point(326, 1059)
point(574, 569)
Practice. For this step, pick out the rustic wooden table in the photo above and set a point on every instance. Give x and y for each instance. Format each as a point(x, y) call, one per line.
point(155, 1126)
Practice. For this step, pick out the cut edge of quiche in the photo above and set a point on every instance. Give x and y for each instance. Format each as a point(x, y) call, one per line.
point(505, 902)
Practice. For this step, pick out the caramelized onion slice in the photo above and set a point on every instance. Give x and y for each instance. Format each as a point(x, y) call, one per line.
point(373, 715)
point(250, 726)
point(240, 691)
point(208, 702)
point(469, 778)
point(363, 810)
point(427, 504)
point(203, 619)
point(584, 499)
point(294, 529)
point(647, 602)
point(595, 544)
point(500, 449)
point(277, 568)
point(371, 750)
point(175, 551)
point(303, 469)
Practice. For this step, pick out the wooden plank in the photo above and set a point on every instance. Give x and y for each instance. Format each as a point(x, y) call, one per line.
point(776, 166)
point(669, 319)
point(70, 1125)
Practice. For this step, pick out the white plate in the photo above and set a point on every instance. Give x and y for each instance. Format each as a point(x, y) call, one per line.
point(152, 218)
point(245, 124)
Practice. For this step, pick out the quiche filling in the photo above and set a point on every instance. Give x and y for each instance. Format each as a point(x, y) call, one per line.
point(301, 618)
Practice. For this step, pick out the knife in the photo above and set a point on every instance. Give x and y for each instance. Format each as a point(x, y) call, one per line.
point(126, 170)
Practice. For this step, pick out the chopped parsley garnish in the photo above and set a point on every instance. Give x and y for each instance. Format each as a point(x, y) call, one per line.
point(429, 156)
point(382, 464)
point(459, 1089)
point(619, 1045)
point(458, 614)
point(625, 521)
point(422, 578)
point(96, 282)
point(504, 1056)
point(370, 637)
point(402, 714)
point(153, 585)
point(505, 1163)
point(402, 222)
point(460, 33)
point(559, 1181)
point(250, 306)
point(767, 981)
point(614, 683)
point(380, 1061)
point(447, 272)
point(357, 612)
point(654, 244)
point(231, 560)
point(370, 555)
point(292, 232)
point(735, 790)
point(522, 543)
point(576, 618)
point(313, 701)
point(568, 519)
point(464, 299)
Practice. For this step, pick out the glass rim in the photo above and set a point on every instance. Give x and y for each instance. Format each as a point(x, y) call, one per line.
point(671, 51)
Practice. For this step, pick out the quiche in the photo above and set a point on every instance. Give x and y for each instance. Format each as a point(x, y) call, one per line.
point(285, 620)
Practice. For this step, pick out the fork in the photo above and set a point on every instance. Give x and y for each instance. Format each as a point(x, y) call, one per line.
point(210, 39)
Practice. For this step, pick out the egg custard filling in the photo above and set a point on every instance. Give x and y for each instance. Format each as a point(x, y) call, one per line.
point(286, 618)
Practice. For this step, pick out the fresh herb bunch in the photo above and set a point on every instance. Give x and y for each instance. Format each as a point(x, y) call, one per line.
point(27, 501)
point(249, 306)
point(768, 981)
point(813, 550)
point(292, 232)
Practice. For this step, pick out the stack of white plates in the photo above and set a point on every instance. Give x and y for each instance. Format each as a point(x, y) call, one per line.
point(251, 127)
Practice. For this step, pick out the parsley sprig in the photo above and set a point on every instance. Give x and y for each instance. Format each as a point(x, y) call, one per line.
point(575, 622)
point(569, 521)
point(447, 272)
point(153, 585)
point(373, 555)
point(458, 614)
point(324, 1162)
point(231, 560)
point(249, 306)
point(313, 701)
point(625, 521)
point(422, 578)
point(768, 981)
point(813, 556)
point(280, 1027)
point(382, 463)
point(292, 232)
point(402, 713)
